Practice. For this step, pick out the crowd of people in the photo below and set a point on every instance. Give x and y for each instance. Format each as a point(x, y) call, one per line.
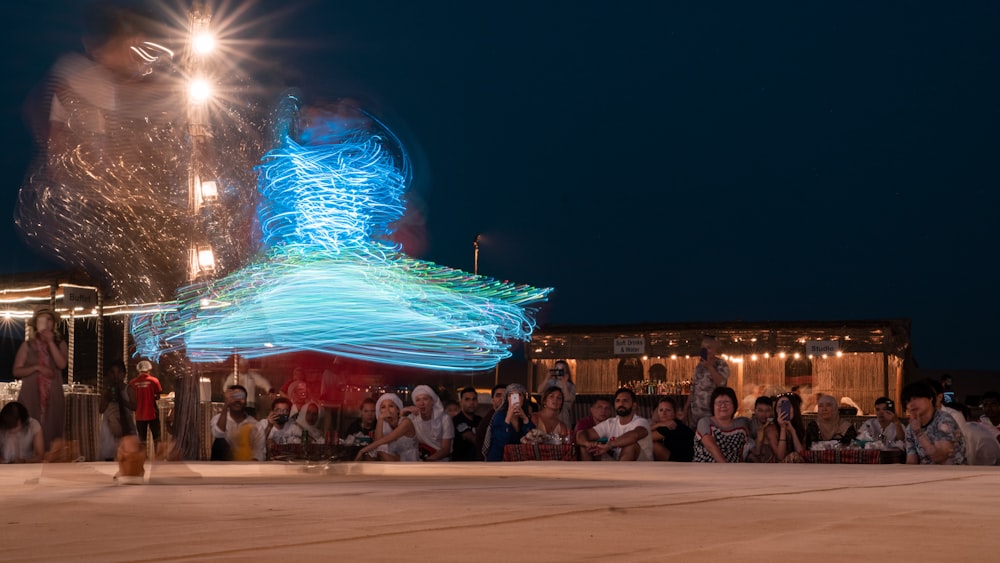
point(707, 429)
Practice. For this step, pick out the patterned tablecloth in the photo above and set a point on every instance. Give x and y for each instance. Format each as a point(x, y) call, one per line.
point(539, 452)
point(845, 455)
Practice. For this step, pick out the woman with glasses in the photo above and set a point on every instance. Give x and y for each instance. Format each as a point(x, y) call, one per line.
point(720, 438)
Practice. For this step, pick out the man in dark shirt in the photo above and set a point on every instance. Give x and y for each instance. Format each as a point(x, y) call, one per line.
point(466, 422)
point(363, 427)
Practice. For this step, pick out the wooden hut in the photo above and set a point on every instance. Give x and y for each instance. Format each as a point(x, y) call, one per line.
point(858, 359)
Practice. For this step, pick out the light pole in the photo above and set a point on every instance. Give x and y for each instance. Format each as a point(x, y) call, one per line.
point(475, 259)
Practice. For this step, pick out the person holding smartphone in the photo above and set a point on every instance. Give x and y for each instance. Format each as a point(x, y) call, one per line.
point(560, 376)
point(711, 373)
point(510, 423)
point(791, 429)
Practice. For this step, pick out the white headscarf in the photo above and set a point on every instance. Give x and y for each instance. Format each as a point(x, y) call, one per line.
point(426, 390)
point(388, 397)
point(429, 432)
point(315, 434)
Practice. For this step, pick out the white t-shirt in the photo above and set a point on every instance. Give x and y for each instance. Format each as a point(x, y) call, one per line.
point(17, 445)
point(280, 436)
point(434, 431)
point(981, 446)
point(612, 428)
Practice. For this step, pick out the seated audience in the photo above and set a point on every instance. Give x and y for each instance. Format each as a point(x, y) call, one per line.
point(510, 423)
point(719, 437)
point(465, 423)
point(395, 435)
point(308, 426)
point(991, 409)
point(277, 428)
point(981, 445)
point(886, 426)
point(848, 406)
point(624, 437)
point(561, 377)
point(932, 436)
point(764, 432)
point(828, 425)
point(364, 426)
point(298, 392)
point(549, 420)
point(939, 388)
point(235, 433)
point(116, 408)
point(672, 439)
point(749, 401)
point(435, 431)
point(496, 399)
point(791, 430)
point(21, 439)
point(599, 412)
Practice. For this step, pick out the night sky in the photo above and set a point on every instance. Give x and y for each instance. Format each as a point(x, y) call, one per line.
point(657, 161)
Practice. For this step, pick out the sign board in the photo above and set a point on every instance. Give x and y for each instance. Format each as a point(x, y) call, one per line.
point(74, 297)
point(627, 346)
point(822, 347)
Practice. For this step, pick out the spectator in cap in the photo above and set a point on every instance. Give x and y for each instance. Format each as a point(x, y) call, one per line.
point(885, 427)
point(146, 391)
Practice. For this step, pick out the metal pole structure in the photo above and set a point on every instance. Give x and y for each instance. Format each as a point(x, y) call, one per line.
point(187, 398)
point(100, 340)
point(71, 337)
point(475, 260)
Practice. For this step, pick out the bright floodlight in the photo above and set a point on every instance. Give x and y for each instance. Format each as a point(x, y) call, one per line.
point(209, 190)
point(203, 43)
point(200, 90)
point(206, 259)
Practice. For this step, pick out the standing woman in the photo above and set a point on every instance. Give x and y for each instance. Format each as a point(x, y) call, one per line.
point(38, 364)
point(720, 438)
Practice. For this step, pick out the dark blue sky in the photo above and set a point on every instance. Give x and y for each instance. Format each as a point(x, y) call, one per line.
point(664, 162)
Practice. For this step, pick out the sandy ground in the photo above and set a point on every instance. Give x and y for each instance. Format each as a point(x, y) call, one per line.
point(541, 511)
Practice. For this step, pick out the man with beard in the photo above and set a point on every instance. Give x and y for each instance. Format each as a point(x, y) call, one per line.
point(624, 437)
point(466, 422)
point(237, 437)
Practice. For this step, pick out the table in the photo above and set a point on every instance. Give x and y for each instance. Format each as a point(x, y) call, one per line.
point(854, 455)
point(539, 452)
point(313, 452)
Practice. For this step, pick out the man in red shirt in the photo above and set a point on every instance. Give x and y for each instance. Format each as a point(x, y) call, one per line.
point(146, 390)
